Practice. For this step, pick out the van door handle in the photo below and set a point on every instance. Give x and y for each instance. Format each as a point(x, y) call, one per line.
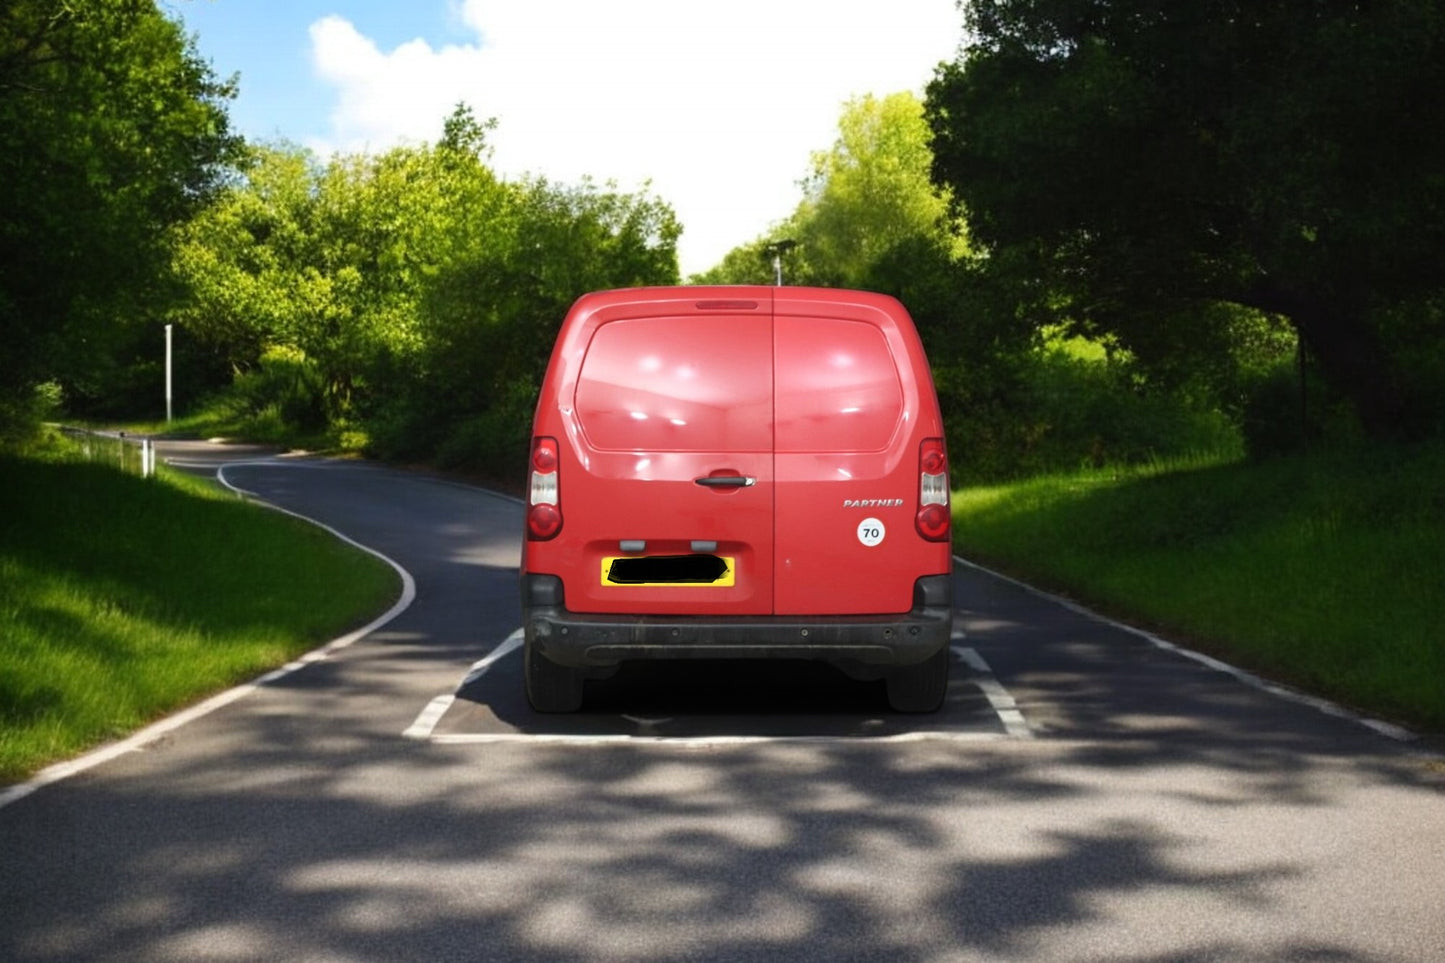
point(726, 481)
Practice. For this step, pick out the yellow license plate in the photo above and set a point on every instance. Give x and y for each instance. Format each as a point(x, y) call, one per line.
point(669, 571)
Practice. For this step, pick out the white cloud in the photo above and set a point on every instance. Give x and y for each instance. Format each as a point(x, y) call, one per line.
point(719, 105)
point(388, 98)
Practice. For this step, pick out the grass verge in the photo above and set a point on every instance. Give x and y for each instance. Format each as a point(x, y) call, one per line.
point(1322, 571)
point(122, 599)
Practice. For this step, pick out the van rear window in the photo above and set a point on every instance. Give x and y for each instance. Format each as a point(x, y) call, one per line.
point(837, 386)
point(679, 384)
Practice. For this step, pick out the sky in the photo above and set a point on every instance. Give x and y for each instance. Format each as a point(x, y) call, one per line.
point(715, 107)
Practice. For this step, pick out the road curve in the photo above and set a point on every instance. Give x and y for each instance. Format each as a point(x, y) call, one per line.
point(1152, 807)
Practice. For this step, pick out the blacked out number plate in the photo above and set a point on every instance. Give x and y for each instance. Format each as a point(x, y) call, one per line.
point(665, 570)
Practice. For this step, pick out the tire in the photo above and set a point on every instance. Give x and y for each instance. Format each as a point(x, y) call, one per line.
point(921, 687)
point(550, 687)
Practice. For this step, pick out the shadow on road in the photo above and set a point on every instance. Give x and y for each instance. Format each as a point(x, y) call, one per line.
point(1167, 814)
point(718, 699)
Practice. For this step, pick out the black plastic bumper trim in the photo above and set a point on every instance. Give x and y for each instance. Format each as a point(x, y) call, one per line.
point(580, 639)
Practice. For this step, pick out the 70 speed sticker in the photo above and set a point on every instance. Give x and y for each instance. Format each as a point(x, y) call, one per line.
point(871, 532)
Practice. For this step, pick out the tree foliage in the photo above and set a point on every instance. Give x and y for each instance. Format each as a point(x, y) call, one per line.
point(1021, 392)
point(870, 193)
point(865, 199)
point(112, 130)
point(412, 296)
point(1126, 163)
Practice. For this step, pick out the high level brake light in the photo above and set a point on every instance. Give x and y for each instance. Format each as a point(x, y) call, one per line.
point(544, 511)
point(933, 518)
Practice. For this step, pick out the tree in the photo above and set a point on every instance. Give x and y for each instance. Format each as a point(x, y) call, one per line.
point(870, 192)
point(868, 203)
point(240, 259)
point(112, 130)
point(413, 294)
point(493, 308)
point(1125, 162)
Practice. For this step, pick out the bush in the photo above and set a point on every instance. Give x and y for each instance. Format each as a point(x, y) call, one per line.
point(23, 413)
point(1062, 410)
point(286, 391)
point(1282, 416)
point(495, 442)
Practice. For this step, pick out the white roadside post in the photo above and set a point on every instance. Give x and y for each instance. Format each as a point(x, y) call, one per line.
point(168, 374)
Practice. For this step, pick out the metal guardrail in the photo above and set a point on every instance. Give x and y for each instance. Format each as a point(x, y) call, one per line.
point(130, 453)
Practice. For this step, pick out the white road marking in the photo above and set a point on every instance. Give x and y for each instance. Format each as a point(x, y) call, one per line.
point(998, 697)
point(156, 730)
point(480, 667)
point(430, 716)
point(1003, 704)
point(1253, 681)
point(427, 721)
point(702, 742)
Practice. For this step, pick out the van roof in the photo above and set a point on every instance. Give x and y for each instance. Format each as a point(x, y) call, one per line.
point(739, 297)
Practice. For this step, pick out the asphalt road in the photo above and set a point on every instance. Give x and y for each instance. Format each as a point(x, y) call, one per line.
point(1086, 794)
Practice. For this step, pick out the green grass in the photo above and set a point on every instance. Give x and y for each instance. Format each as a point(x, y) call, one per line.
point(1326, 571)
point(122, 599)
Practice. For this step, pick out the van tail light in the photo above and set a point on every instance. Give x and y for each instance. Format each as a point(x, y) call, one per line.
point(544, 501)
point(933, 519)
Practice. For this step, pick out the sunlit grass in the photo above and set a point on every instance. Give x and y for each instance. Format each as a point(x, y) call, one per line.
point(123, 598)
point(1323, 571)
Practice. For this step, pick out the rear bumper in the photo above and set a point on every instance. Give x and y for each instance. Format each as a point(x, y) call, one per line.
point(587, 640)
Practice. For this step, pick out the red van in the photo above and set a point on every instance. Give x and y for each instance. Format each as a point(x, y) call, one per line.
point(738, 472)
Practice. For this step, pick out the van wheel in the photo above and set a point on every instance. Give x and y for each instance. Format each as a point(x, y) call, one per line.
point(550, 687)
point(920, 687)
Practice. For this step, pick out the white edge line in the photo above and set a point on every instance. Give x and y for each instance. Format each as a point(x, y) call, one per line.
point(308, 460)
point(1387, 729)
point(154, 731)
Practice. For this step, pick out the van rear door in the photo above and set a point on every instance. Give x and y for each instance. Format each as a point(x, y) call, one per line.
point(853, 401)
point(671, 426)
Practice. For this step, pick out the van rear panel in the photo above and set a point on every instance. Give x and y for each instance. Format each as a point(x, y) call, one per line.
point(850, 409)
point(678, 384)
point(658, 511)
point(660, 397)
point(774, 431)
